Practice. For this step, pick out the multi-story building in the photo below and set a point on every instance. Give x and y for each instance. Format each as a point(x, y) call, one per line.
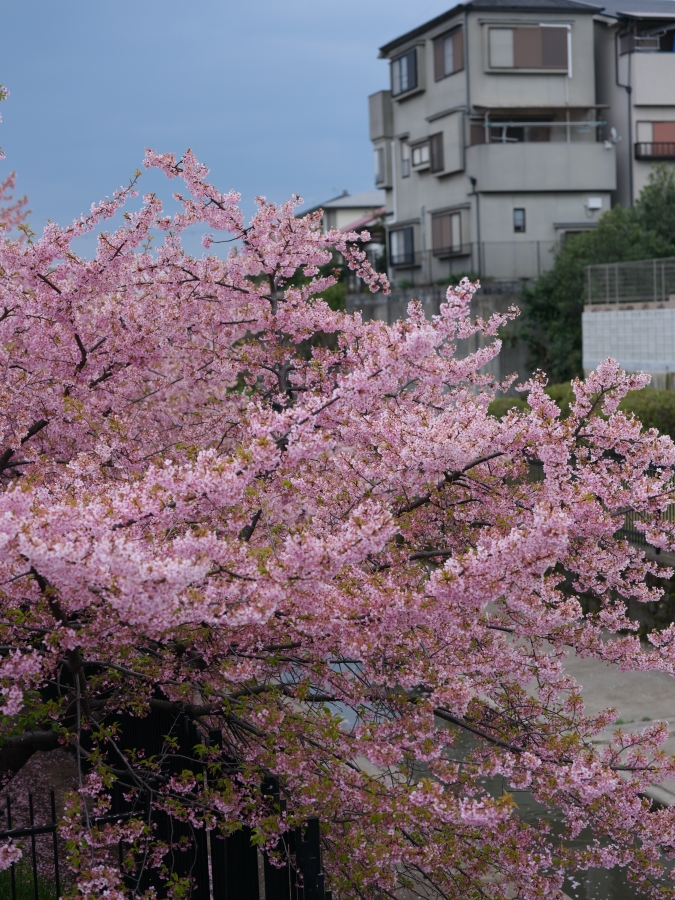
point(635, 78)
point(511, 123)
point(490, 142)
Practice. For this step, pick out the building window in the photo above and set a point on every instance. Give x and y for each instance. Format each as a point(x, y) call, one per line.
point(404, 73)
point(405, 159)
point(379, 166)
point(446, 233)
point(519, 220)
point(529, 47)
point(449, 53)
point(401, 246)
point(420, 156)
point(655, 140)
point(437, 162)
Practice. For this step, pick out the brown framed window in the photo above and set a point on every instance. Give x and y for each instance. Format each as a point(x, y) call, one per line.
point(420, 155)
point(405, 159)
point(404, 73)
point(436, 160)
point(528, 47)
point(449, 53)
point(402, 246)
point(446, 233)
point(379, 166)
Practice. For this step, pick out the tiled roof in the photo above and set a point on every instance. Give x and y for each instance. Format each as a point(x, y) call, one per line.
point(505, 5)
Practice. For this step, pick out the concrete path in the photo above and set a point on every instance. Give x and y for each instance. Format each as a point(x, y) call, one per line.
point(639, 697)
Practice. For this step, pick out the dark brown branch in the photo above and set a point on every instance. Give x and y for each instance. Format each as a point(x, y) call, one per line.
point(32, 431)
point(246, 532)
point(47, 281)
point(83, 354)
point(447, 716)
point(429, 554)
point(448, 478)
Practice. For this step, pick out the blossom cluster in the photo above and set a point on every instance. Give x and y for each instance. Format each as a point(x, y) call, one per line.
point(305, 532)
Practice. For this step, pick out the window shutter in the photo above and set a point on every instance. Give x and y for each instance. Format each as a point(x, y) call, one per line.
point(439, 59)
point(446, 233)
point(664, 132)
point(436, 152)
point(441, 233)
point(554, 48)
point(477, 134)
point(458, 49)
point(527, 48)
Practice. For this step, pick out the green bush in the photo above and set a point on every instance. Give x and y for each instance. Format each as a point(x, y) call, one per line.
point(653, 407)
point(501, 405)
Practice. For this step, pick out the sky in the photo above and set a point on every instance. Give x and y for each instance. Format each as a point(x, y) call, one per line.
point(271, 96)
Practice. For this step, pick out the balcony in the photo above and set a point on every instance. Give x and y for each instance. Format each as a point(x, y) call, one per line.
point(655, 151)
point(554, 166)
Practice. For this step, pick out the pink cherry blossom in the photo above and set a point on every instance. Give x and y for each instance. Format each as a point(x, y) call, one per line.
point(222, 499)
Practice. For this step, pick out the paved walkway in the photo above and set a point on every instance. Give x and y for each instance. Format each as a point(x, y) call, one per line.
point(639, 697)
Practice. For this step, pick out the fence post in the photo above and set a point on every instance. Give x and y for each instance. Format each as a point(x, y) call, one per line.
point(31, 819)
point(57, 882)
point(9, 828)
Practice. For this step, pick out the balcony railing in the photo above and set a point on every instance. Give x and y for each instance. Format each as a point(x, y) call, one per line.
point(457, 250)
point(655, 150)
point(501, 260)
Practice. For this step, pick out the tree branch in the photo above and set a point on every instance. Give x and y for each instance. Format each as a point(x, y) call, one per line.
point(448, 478)
point(16, 751)
point(32, 431)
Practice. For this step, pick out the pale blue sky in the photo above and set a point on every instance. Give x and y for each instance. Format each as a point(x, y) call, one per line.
point(270, 95)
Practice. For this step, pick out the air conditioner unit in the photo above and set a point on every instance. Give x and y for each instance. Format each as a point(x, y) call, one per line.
point(594, 203)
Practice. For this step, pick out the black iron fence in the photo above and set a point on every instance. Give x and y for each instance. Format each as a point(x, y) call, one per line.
point(217, 867)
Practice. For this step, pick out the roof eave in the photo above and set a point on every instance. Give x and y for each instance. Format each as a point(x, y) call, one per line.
point(386, 49)
point(421, 29)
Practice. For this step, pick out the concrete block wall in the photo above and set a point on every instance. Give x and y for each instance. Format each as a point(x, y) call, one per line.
point(641, 340)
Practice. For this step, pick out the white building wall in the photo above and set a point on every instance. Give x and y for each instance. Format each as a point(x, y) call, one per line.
point(641, 340)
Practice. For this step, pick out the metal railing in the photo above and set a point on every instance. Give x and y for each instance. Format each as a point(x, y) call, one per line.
point(536, 132)
point(630, 532)
point(644, 281)
point(501, 260)
point(651, 150)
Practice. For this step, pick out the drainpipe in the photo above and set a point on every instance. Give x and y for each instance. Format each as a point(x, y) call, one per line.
point(629, 90)
point(475, 194)
point(393, 181)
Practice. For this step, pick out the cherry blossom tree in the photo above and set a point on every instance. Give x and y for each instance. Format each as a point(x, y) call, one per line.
point(326, 550)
